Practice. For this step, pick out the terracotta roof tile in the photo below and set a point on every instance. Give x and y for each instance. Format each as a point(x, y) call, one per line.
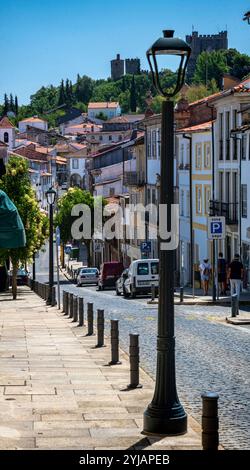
point(5, 123)
point(31, 154)
point(33, 119)
point(103, 105)
point(205, 126)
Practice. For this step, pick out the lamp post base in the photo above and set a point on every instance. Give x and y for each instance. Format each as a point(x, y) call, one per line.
point(168, 424)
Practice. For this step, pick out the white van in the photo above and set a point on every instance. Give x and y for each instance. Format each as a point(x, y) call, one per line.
point(142, 274)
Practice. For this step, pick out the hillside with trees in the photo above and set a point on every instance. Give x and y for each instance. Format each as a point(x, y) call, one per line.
point(51, 102)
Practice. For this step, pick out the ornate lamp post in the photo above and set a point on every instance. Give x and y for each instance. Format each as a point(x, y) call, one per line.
point(51, 196)
point(165, 414)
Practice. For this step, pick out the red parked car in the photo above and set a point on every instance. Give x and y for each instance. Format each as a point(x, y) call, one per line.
point(109, 273)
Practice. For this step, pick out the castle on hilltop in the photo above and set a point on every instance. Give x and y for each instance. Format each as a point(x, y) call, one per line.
point(119, 67)
point(204, 42)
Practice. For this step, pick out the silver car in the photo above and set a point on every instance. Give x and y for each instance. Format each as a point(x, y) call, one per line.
point(87, 276)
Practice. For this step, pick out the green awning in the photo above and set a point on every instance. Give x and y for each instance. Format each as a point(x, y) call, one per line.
point(12, 233)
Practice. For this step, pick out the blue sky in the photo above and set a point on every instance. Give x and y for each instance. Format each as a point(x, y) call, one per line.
point(42, 41)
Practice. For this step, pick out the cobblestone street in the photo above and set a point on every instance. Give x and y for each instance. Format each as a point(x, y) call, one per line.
point(210, 354)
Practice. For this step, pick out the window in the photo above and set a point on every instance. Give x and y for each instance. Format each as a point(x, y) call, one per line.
point(244, 147)
point(142, 269)
point(207, 155)
point(159, 143)
point(221, 156)
point(188, 204)
point(155, 268)
point(75, 164)
point(153, 196)
point(198, 192)
point(120, 137)
point(6, 137)
point(198, 156)
point(148, 196)
point(110, 137)
point(111, 191)
point(207, 198)
point(244, 201)
point(149, 144)
point(182, 202)
point(154, 156)
point(181, 155)
point(100, 137)
point(221, 193)
point(188, 154)
point(235, 116)
point(227, 135)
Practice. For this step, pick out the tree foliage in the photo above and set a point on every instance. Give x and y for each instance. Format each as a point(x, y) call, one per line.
point(64, 219)
point(210, 65)
point(16, 184)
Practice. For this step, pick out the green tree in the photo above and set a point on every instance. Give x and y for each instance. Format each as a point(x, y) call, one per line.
point(44, 100)
point(12, 104)
point(133, 102)
point(62, 94)
point(64, 219)
point(16, 106)
point(197, 92)
point(17, 185)
point(239, 64)
point(83, 89)
point(210, 65)
point(6, 105)
point(102, 116)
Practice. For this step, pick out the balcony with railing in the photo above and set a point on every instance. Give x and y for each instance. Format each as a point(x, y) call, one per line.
point(229, 210)
point(133, 178)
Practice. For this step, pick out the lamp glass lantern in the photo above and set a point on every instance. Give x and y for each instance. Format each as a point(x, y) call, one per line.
point(168, 46)
point(51, 196)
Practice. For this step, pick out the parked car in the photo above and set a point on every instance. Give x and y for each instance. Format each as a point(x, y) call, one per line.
point(142, 274)
point(119, 283)
point(87, 276)
point(109, 273)
point(22, 277)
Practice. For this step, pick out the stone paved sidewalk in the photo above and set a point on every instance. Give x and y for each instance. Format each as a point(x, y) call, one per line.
point(57, 392)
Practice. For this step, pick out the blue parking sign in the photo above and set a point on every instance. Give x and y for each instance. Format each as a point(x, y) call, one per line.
point(216, 228)
point(146, 247)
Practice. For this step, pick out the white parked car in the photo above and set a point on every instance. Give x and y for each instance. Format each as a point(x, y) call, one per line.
point(87, 276)
point(142, 274)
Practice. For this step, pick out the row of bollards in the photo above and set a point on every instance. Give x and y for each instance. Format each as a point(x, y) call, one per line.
point(73, 307)
point(43, 291)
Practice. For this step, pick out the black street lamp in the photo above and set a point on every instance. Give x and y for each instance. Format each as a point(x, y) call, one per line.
point(51, 196)
point(165, 414)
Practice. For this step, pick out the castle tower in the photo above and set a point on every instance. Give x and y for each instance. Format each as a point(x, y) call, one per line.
point(117, 68)
point(133, 66)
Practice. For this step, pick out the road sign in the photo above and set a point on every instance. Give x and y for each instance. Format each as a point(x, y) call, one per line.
point(58, 236)
point(216, 228)
point(146, 247)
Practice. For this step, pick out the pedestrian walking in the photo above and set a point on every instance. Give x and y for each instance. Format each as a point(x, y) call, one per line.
point(235, 275)
point(205, 271)
point(222, 274)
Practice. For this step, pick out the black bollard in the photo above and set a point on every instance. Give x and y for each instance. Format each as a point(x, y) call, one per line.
point(90, 315)
point(134, 360)
point(53, 299)
point(181, 294)
point(80, 311)
point(114, 342)
point(71, 305)
point(210, 421)
point(234, 305)
point(63, 301)
point(100, 328)
point(152, 292)
point(75, 308)
point(66, 304)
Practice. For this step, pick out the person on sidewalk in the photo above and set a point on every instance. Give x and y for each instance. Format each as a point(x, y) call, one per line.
point(205, 270)
point(222, 274)
point(235, 275)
